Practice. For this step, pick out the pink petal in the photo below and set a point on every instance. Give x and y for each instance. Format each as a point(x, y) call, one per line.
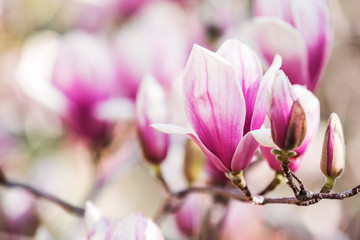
point(312, 18)
point(260, 108)
point(245, 151)
point(214, 103)
point(311, 106)
point(274, 36)
point(282, 101)
point(276, 8)
point(174, 129)
point(248, 71)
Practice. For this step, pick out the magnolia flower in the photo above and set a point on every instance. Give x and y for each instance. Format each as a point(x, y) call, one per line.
point(300, 31)
point(151, 108)
point(133, 227)
point(158, 41)
point(225, 103)
point(84, 73)
point(295, 115)
point(333, 155)
point(71, 75)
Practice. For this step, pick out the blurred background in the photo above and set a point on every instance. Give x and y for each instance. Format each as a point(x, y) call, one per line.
point(70, 71)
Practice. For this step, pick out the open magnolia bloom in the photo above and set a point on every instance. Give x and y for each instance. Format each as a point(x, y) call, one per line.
point(295, 115)
point(300, 31)
point(134, 227)
point(225, 102)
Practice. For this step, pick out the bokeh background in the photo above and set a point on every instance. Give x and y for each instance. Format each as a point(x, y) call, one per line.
point(82, 144)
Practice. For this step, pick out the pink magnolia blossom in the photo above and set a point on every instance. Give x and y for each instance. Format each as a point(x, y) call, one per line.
point(300, 31)
point(283, 100)
point(151, 108)
point(156, 42)
point(333, 156)
point(73, 76)
point(84, 74)
point(225, 102)
point(133, 227)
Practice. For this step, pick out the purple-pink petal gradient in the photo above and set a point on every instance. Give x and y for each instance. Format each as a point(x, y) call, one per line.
point(189, 216)
point(151, 108)
point(311, 107)
point(312, 20)
point(214, 103)
point(281, 106)
point(248, 72)
point(84, 73)
point(216, 107)
point(157, 41)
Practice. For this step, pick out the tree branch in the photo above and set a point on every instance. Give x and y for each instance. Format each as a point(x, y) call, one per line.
point(39, 194)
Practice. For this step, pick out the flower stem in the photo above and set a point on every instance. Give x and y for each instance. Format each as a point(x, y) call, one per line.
point(158, 174)
point(237, 178)
point(328, 186)
point(285, 161)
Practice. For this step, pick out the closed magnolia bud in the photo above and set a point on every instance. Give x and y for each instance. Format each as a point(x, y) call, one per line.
point(151, 108)
point(189, 216)
point(288, 118)
point(333, 155)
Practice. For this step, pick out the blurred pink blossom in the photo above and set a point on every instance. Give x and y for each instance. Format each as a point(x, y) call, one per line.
point(189, 216)
point(84, 74)
point(157, 42)
point(300, 31)
point(73, 76)
point(151, 108)
point(133, 227)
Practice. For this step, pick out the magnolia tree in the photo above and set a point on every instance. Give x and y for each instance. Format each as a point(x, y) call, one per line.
point(248, 101)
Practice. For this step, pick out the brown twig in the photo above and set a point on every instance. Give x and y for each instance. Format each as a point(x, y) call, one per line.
point(305, 197)
point(289, 176)
point(39, 194)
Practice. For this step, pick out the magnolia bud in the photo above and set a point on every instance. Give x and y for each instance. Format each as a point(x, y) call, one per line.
point(151, 108)
point(296, 129)
point(333, 155)
point(288, 118)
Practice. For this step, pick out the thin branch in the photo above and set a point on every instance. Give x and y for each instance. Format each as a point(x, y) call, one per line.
point(39, 194)
point(289, 176)
point(306, 198)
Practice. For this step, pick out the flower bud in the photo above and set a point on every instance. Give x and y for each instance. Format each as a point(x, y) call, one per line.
point(188, 217)
point(288, 118)
point(333, 155)
point(151, 108)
